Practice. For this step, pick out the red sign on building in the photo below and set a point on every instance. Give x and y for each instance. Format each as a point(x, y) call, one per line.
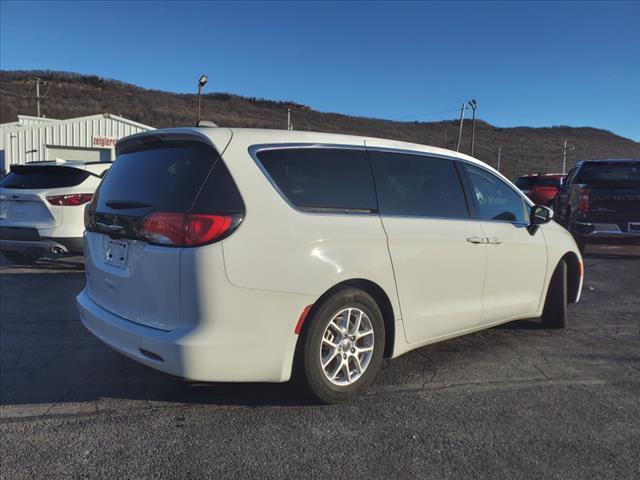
point(104, 141)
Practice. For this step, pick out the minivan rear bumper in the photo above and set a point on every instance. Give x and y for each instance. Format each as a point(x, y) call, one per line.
point(131, 339)
point(197, 353)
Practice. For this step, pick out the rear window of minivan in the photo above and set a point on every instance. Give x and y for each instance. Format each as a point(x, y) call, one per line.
point(168, 176)
point(43, 177)
point(322, 179)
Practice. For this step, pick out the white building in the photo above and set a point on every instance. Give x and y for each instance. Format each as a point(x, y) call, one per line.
point(88, 139)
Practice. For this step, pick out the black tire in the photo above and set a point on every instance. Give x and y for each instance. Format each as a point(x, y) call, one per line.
point(555, 312)
point(309, 361)
point(21, 258)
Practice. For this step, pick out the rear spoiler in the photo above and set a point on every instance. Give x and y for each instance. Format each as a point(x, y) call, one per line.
point(49, 168)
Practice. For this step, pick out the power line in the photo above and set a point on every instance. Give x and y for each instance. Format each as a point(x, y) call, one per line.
point(509, 157)
point(429, 114)
point(11, 93)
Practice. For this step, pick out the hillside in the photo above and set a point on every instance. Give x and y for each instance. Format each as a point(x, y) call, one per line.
point(524, 149)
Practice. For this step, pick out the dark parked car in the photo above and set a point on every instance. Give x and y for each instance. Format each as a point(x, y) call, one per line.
point(600, 202)
point(541, 188)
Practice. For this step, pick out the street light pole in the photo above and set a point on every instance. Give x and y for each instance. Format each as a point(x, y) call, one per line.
point(460, 128)
point(473, 105)
point(201, 83)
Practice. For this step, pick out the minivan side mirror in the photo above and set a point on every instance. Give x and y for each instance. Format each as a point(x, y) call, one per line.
point(539, 215)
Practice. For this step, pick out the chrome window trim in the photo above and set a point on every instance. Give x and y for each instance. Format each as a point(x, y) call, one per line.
point(255, 149)
point(424, 217)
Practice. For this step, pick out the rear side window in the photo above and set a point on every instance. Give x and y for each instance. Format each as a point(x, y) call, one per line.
point(43, 177)
point(219, 193)
point(168, 176)
point(319, 179)
point(416, 185)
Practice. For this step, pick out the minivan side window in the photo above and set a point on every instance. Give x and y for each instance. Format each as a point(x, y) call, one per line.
point(495, 199)
point(417, 185)
point(322, 179)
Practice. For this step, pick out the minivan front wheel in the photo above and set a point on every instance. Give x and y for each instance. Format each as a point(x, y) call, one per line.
point(343, 346)
point(555, 312)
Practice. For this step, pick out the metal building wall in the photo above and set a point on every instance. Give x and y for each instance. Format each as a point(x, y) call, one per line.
point(23, 121)
point(28, 143)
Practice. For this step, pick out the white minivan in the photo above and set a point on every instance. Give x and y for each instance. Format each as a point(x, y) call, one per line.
point(240, 255)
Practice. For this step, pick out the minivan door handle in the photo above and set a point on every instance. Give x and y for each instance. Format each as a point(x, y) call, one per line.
point(476, 240)
point(494, 240)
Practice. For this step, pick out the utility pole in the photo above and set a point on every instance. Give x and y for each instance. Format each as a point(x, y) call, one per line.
point(460, 128)
point(289, 125)
point(37, 98)
point(473, 105)
point(499, 155)
point(564, 157)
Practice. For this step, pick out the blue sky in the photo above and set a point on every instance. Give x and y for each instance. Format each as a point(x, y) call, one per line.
point(536, 64)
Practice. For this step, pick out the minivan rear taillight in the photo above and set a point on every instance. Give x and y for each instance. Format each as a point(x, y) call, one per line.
point(71, 200)
point(188, 229)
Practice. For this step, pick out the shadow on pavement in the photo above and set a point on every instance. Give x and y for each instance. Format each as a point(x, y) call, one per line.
point(48, 358)
point(529, 324)
point(61, 264)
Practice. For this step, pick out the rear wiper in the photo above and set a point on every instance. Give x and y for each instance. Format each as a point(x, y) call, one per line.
point(125, 204)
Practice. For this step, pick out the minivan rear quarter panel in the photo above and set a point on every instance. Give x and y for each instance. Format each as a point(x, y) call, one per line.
point(331, 247)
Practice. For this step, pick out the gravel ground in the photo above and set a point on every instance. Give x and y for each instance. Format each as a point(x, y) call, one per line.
point(515, 401)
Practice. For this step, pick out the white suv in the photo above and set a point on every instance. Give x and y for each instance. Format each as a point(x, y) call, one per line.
point(42, 208)
point(241, 255)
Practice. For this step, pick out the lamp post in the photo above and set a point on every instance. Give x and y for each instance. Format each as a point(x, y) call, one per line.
point(473, 105)
point(201, 83)
point(460, 128)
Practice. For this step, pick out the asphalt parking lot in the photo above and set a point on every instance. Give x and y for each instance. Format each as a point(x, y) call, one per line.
point(512, 402)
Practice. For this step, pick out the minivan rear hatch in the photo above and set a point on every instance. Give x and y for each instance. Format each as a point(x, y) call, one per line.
point(156, 174)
